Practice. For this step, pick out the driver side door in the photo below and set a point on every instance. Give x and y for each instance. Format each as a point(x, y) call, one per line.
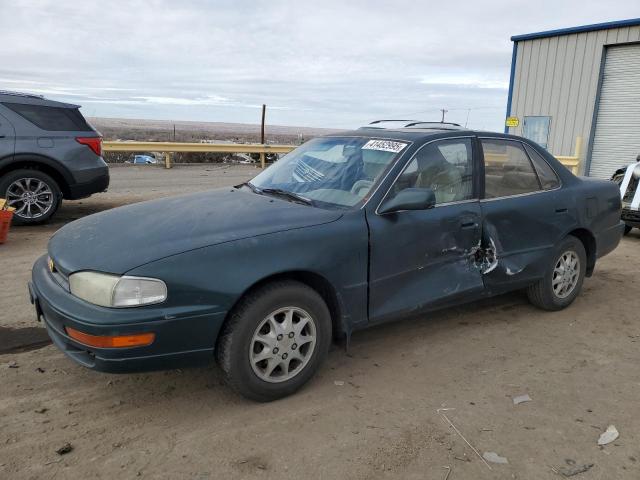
point(424, 259)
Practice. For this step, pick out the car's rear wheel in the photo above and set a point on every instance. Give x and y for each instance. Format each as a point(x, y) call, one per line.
point(627, 229)
point(34, 194)
point(275, 340)
point(564, 277)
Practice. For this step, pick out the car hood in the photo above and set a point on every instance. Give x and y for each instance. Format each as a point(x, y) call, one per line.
point(118, 240)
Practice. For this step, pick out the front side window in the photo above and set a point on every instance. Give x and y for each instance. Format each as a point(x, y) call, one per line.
point(444, 166)
point(332, 171)
point(507, 169)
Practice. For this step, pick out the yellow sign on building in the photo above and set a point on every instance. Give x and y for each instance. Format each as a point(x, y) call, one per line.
point(512, 122)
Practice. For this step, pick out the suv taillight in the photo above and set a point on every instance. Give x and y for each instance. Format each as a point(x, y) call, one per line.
point(94, 143)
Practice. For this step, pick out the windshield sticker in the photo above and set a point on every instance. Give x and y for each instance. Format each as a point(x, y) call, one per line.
point(384, 145)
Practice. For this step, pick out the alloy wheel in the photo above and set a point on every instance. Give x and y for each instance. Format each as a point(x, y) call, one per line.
point(31, 197)
point(283, 344)
point(566, 274)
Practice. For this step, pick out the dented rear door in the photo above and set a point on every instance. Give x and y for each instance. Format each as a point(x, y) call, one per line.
point(521, 221)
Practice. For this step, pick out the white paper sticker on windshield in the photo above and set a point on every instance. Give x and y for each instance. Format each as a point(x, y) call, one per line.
point(384, 145)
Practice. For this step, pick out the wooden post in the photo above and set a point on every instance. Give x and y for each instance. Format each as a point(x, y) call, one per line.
point(262, 155)
point(167, 159)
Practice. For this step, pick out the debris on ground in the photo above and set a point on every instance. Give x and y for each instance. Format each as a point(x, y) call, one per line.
point(66, 448)
point(493, 457)
point(13, 364)
point(440, 411)
point(40, 370)
point(521, 399)
point(338, 383)
point(41, 410)
point(609, 435)
point(572, 469)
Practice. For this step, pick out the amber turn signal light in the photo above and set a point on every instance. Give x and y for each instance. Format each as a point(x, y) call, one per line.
point(111, 341)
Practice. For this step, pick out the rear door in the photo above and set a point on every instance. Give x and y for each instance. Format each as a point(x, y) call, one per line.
point(421, 259)
point(7, 139)
point(522, 218)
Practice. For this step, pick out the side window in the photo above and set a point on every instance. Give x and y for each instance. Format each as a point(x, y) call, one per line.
point(444, 166)
point(507, 169)
point(54, 119)
point(548, 177)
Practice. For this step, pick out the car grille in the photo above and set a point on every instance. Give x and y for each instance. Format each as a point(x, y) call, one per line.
point(630, 215)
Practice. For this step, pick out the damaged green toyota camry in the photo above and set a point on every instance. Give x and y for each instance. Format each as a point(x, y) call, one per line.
point(350, 230)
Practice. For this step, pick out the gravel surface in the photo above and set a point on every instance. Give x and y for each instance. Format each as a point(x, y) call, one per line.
point(372, 412)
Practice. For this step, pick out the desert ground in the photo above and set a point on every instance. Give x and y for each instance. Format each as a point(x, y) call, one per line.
point(401, 402)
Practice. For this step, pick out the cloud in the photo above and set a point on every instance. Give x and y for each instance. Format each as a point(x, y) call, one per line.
point(317, 63)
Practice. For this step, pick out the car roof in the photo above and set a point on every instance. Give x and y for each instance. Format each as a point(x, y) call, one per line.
point(7, 96)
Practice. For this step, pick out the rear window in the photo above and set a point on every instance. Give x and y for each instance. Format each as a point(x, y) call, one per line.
point(54, 119)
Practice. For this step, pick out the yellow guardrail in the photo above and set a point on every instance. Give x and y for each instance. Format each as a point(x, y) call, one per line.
point(169, 147)
point(572, 162)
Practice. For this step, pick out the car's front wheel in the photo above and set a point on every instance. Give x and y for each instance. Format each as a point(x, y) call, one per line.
point(34, 194)
point(275, 340)
point(564, 277)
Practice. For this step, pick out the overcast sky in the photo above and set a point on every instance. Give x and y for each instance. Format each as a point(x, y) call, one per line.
point(326, 63)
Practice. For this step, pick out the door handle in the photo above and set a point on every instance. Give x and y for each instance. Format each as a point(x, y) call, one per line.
point(469, 224)
point(561, 210)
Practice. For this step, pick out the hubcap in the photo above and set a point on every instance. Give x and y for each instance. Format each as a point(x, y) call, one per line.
point(282, 345)
point(31, 197)
point(566, 274)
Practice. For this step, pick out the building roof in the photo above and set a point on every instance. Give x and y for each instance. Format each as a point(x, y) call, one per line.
point(584, 28)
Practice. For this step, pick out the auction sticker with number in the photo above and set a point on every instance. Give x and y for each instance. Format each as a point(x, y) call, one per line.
point(384, 145)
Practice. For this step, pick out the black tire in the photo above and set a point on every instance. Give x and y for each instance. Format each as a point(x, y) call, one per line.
point(627, 229)
point(542, 294)
point(235, 340)
point(56, 195)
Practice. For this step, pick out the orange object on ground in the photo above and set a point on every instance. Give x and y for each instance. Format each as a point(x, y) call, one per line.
point(5, 223)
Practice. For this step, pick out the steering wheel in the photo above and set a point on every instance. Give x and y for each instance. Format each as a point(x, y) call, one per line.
point(361, 187)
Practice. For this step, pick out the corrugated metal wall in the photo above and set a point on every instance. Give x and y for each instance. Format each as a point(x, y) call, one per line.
point(558, 77)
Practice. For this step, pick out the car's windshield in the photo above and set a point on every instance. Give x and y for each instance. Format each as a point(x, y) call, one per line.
point(336, 171)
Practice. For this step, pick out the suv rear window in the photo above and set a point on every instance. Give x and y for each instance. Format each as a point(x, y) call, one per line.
point(54, 119)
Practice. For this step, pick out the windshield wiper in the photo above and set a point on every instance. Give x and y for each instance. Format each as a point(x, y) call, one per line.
point(250, 185)
point(286, 193)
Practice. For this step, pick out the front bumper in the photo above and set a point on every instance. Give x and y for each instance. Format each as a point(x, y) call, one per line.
point(181, 338)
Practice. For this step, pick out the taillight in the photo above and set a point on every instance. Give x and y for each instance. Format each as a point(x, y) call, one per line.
point(94, 143)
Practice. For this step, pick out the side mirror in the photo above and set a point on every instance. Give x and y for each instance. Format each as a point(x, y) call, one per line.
point(409, 199)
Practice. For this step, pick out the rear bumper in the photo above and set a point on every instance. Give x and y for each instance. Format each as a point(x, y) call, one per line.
point(608, 240)
point(182, 341)
point(99, 182)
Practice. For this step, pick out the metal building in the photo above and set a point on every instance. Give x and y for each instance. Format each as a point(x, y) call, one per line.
point(579, 83)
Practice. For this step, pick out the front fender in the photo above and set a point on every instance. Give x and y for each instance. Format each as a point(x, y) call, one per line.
point(218, 276)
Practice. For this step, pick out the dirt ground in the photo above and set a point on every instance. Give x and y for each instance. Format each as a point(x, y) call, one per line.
point(372, 412)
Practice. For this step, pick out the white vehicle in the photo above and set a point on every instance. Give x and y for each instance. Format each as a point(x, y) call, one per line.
point(628, 179)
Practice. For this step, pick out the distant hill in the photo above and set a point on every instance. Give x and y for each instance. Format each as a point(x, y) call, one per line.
point(163, 130)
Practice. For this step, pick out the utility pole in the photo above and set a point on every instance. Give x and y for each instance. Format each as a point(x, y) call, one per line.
point(443, 112)
point(262, 156)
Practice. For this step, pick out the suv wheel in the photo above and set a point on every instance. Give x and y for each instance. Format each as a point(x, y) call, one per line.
point(563, 281)
point(275, 340)
point(34, 194)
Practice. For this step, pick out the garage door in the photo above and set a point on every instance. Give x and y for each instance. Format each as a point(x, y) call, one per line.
point(616, 140)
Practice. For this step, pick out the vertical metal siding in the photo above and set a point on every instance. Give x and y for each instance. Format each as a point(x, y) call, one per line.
point(616, 140)
point(558, 77)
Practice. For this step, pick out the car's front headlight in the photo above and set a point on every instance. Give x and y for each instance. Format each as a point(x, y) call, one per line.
point(109, 290)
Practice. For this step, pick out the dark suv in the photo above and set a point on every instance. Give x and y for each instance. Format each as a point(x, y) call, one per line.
point(48, 152)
